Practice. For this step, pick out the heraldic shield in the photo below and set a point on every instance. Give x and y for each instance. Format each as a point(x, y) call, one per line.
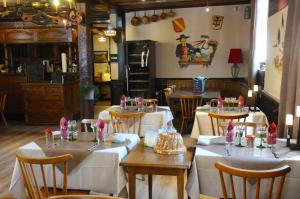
point(217, 22)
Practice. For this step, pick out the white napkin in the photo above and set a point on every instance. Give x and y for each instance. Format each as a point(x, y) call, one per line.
point(211, 140)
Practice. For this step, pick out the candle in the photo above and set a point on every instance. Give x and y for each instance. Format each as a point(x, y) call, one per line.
point(255, 88)
point(297, 111)
point(249, 93)
point(289, 119)
point(64, 62)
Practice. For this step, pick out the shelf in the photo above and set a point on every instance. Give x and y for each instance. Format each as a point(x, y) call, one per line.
point(138, 81)
point(139, 90)
point(134, 62)
point(138, 73)
point(134, 55)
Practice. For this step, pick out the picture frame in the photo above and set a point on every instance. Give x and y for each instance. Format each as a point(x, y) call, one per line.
point(100, 56)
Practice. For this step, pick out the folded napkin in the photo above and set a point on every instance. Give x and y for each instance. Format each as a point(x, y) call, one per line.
point(211, 140)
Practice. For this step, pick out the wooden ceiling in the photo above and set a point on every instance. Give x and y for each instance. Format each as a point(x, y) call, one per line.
point(135, 5)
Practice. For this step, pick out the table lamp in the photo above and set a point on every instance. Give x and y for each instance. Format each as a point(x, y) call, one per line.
point(235, 57)
point(289, 124)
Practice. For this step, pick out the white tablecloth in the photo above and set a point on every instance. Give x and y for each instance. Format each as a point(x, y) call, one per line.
point(151, 121)
point(206, 179)
point(202, 123)
point(99, 171)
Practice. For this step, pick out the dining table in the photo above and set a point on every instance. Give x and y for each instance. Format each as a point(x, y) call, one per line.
point(202, 123)
point(143, 160)
point(94, 167)
point(151, 120)
point(206, 96)
point(206, 179)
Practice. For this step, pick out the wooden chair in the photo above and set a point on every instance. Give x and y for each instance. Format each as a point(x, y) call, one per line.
point(83, 197)
point(223, 117)
point(168, 93)
point(30, 175)
point(3, 95)
point(258, 175)
point(188, 107)
point(122, 122)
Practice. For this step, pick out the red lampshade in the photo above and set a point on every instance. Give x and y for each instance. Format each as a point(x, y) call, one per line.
point(235, 56)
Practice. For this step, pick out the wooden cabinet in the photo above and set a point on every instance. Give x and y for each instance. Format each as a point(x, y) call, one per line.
point(46, 103)
point(140, 68)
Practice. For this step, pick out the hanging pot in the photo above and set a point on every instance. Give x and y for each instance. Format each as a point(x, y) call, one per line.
point(135, 21)
point(171, 13)
point(146, 19)
point(163, 15)
point(154, 17)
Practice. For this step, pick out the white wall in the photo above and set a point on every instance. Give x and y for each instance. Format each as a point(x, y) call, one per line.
point(235, 33)
point(273, 75)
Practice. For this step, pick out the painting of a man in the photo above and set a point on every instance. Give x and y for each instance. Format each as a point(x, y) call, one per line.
point(184, 50)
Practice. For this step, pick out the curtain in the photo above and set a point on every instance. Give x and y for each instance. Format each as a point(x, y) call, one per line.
point(260, 38)
point(290, 84)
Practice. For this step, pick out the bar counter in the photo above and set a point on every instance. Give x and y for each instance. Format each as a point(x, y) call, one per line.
point(46, 103)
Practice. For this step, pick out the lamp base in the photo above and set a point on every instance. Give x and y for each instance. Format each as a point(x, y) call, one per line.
point(235, 69)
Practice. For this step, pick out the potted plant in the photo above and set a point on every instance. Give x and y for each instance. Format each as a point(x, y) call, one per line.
point(89, 91)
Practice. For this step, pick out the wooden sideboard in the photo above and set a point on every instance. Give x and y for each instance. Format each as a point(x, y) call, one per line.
point(46, 103)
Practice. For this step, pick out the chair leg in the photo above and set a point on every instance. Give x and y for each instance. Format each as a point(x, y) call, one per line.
point(4, 120)
point(182, 124)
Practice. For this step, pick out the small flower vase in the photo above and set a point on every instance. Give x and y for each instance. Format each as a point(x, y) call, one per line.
point(49, 137)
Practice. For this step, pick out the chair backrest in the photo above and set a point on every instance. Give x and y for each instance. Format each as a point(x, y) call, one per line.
point(30, 174)
point(189, 105)
point(258, 175)
point(83, 197)
point(168, 92)
point(3, 95)
point(222, 118)
point(126, 122)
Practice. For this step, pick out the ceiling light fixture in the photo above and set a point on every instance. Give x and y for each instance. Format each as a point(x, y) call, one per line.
point(207, 8)
point(110, 32)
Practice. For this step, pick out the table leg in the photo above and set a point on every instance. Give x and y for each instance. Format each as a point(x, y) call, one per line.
point(180, 185)
point(131, 183)
point(150, 186)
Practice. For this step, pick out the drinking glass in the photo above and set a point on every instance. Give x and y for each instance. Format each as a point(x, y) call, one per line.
point(72, 125)
point(94, 128)
point(240, 129)
point(261, 131)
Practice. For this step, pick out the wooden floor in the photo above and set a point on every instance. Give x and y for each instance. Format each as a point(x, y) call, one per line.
point(164, 187)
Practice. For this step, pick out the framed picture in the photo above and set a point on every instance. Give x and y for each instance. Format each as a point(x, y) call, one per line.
point(100, 56)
